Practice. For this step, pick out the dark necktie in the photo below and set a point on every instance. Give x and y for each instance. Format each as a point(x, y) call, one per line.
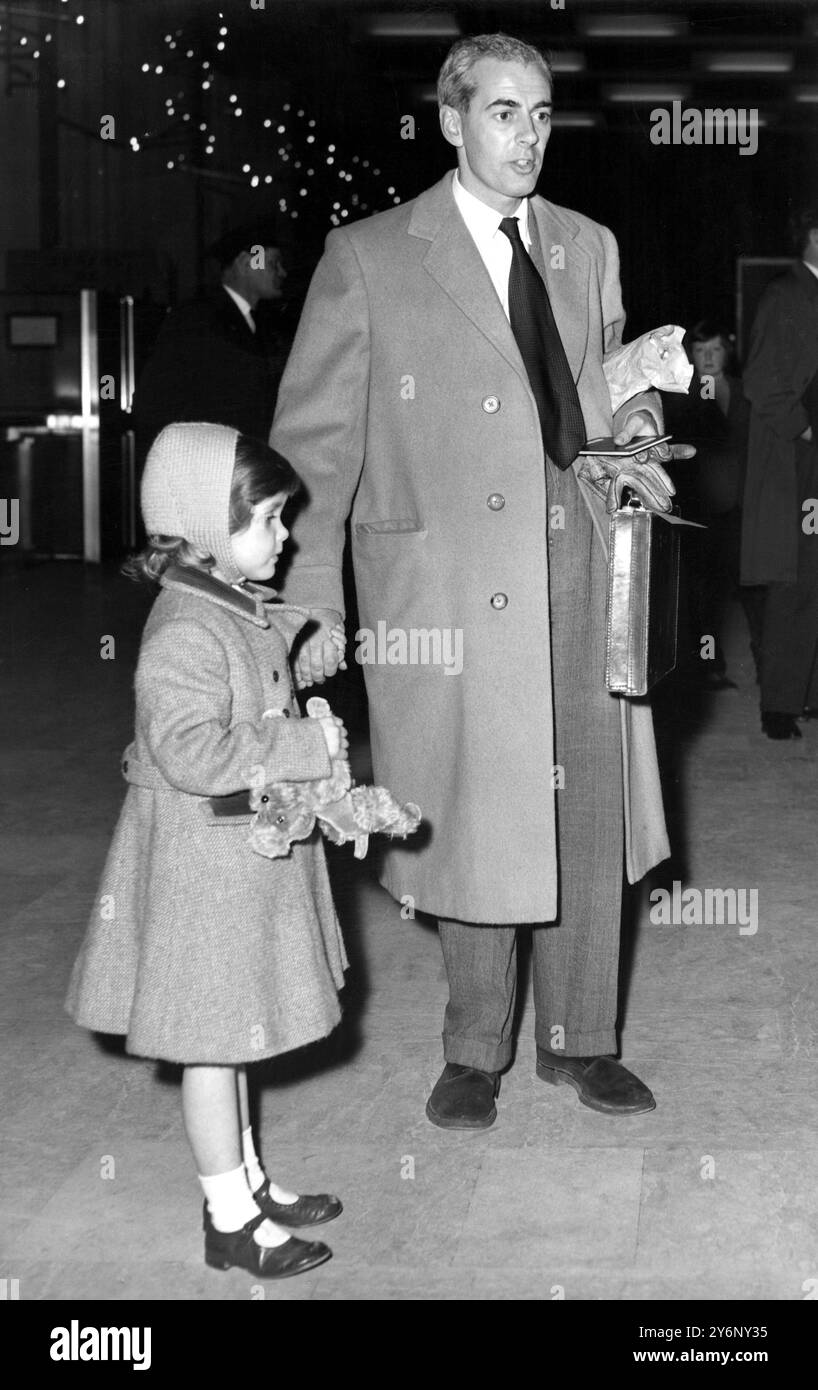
point(538, 338)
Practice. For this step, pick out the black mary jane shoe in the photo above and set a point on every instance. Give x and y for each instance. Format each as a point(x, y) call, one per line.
point(307, 1211)
point(226, 1249)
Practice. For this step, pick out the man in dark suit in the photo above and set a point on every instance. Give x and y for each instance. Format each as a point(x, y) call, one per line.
point(212, 360)
point(779, 547)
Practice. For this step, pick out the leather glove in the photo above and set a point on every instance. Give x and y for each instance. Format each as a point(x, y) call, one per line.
point(642, 473)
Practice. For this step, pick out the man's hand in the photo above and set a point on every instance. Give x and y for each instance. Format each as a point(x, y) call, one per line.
point(642, 473)
point(321, 654)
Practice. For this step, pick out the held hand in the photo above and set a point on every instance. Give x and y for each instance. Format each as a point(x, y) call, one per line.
point(336, 736)
point(322, 653)
point(643, 423)
point(643, 473)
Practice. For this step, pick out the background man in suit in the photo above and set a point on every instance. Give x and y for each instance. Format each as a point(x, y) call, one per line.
point(213, 360)
point(779, 544)
point(436, 392)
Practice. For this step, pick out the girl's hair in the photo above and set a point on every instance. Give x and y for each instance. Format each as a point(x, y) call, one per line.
point(258, 472)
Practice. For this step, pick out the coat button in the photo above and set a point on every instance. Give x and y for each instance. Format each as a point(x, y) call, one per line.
point(286, 713)
point(496, 501)
point(275, 675)
point(491, 404)
point(499, 600)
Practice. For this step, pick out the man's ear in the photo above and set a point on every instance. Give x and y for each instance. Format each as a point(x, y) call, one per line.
point(451, 125)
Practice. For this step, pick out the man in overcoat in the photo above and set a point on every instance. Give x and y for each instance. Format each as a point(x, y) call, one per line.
point(779, 540)
point(412, 403)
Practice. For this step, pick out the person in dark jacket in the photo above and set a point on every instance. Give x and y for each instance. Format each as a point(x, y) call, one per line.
point(213, 361)
point(715, 416)
point(779, 546)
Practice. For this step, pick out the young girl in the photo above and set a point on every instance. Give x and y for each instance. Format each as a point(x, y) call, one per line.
point(199, 950)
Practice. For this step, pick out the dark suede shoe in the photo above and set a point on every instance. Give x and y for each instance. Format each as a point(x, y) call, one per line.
point(463, 1098)
point(777, 725)
point(600, 1082)
point(307, 1211)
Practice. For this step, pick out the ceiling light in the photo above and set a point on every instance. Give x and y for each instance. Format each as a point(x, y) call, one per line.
point(748, 62)
point(637, 93)
point(633, 26)
point(568, 61)
point(577, 120)
point(411, 26)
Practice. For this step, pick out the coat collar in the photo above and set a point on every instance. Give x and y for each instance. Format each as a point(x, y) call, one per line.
point(455, 263)
point(806, 278)
point(254, 602)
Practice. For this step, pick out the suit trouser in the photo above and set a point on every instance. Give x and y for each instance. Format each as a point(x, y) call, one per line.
point(575, 958)
point(789, 638)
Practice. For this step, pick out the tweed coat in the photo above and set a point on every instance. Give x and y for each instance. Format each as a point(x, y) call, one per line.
point(782, 361)
point(199, 949)
point(406, 402)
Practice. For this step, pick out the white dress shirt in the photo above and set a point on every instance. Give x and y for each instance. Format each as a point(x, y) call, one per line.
point(813, 268)
point(244, 305)
point(494, 246)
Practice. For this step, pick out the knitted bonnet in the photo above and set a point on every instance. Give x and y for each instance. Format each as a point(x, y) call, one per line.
point(186, 489)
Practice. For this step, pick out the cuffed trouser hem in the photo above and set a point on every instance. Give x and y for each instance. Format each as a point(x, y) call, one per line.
point(601, 1043)
point(469, 1052)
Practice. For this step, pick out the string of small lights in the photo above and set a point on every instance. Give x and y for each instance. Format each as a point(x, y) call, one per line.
point(285, 148)
point(283, 152)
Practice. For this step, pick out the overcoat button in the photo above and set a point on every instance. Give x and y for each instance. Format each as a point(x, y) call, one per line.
point(491, 404)
point(496, 501)
point(286, 713)
point(499, 600)
point(275, 675)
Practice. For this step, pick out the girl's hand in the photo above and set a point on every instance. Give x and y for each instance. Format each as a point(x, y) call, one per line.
point(336, 736)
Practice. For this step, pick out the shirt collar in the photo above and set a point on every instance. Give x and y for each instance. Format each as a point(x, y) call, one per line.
point(240, 302)
point(483, 220)
point(813, 268)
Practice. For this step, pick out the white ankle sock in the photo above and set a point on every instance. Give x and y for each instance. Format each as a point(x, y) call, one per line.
point(229, 1199)
point(256, 1174)
point(231, 1206)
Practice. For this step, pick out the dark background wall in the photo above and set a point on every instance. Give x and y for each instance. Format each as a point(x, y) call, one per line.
point(79, 209)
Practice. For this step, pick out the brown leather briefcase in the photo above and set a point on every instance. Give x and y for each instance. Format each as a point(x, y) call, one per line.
point(643, 598)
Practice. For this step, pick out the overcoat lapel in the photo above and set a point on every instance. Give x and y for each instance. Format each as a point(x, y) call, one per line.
point(567, 287)
point(455, 263)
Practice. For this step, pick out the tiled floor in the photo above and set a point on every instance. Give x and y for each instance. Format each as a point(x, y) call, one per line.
point(711, 1196)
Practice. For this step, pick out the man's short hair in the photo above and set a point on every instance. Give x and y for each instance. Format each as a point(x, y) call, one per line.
point(455, 86)
point(802, 222)
point(264, 231)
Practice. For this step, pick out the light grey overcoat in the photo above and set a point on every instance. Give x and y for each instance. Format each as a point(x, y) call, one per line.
point(406, 402)
point(199, 949)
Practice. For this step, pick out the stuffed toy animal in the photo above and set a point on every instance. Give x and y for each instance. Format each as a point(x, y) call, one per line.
point(287, 811)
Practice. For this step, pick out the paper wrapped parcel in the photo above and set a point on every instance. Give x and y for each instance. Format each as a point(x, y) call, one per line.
point(657, 359)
